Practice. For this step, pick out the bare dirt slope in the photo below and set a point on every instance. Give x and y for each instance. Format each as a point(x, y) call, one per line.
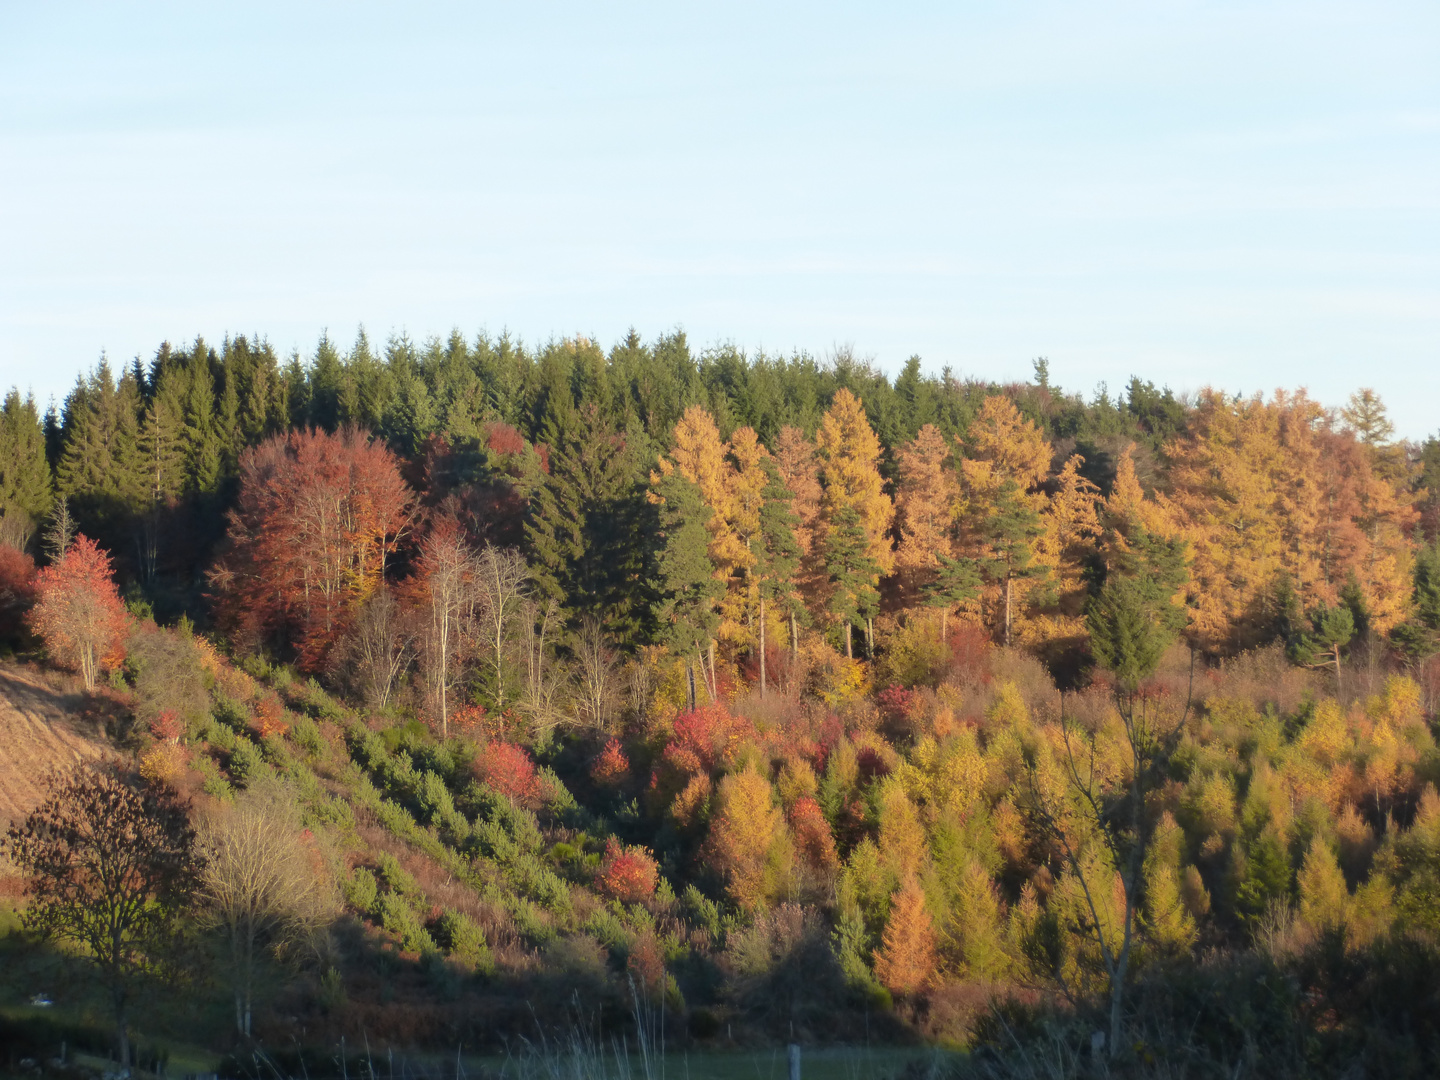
point(40, 730)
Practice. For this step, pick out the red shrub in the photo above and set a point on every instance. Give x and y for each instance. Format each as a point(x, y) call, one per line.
point(17, 588)
point(969, 652)
point(509, 770)
point(896, 702)
point(707, 739)
point(167, 726)
point(627, 874)
point(612, 766)
point(646, 965)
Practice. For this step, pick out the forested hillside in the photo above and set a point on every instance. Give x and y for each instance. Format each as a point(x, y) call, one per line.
point(782, 696)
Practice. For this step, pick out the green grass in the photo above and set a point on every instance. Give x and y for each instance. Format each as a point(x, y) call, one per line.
point(816, 1063)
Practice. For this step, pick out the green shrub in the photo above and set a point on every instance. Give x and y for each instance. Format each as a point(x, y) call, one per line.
point(246, 764)
point(214, 784)
point(307, 736)
point(395, 876)
point(434, 797)
point(361, 891)
point(231, 713)
point(531, 922)
point(703, 912)
point(464, 940)
point(454, 829)
point(399, 918)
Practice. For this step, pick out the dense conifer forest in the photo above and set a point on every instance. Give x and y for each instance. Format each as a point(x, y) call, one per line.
point(467, 692)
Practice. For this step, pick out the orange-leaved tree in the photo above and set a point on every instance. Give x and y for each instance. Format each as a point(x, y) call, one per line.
point(906, 960)
point(925, 505)
point(317, 518)
point(78, 613)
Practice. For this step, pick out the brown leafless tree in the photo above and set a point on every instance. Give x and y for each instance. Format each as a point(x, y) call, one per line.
point(595, 674)
point(502, 581)
point(378, 650)
point(263, 886)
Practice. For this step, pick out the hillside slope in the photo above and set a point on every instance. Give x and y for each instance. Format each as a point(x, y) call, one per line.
point(40, 730)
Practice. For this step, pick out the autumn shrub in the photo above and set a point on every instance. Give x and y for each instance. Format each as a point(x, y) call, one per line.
point(17, 594)
point(913, 654)
point(749, 843)
point(627, 873)
point(163, 763)
point(270, 716)
point(509, 770)
point(166, 673)
point(78, 612)
point(611, 767)
point(167, 727)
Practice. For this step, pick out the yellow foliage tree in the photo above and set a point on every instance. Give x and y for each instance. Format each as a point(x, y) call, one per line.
point(1323, 896)
point(849, 452)
point(748, 840)
point(1006, 460)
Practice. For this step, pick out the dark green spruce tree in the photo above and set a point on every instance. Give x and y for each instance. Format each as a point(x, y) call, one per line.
point(854, 575)
point(25, 488)
point(685, 610)
point(777, 558)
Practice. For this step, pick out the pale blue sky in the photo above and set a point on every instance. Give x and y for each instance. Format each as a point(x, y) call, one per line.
point(1242, 194)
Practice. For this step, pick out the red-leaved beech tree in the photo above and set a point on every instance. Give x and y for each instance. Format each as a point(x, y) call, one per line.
point(78, 613)
point(317, 518)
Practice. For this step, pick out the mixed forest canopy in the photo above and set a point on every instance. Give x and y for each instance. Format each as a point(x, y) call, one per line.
point(699, 671)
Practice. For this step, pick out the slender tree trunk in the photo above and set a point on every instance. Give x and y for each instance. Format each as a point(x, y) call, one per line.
point(122, 1026)
point(849, 652)
point(794, 636)
point(762, 647)
point(713, 686)
point(870, 637)
point(1007, 611)
point(690, 683)
point(945, 626)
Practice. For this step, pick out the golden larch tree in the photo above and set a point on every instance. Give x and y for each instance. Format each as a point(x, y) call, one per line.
point(906, 960)
point(925, 504)
point(748, 841)
point(849, 453)
point(800, 471)
point(1006, 460)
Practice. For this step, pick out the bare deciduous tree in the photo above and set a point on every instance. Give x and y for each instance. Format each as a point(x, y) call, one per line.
point(447, 568)
point(502, 585)
point(263, 885)
point(595, 675)
point(378, 650)
point(542, 679)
